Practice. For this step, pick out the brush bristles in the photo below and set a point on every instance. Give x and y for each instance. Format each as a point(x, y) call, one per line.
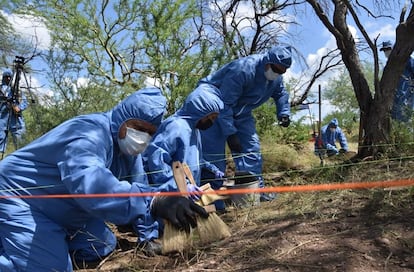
point(212, 229)
point(174, 240)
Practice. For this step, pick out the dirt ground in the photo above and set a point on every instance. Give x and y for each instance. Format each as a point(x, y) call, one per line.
point(362, 230)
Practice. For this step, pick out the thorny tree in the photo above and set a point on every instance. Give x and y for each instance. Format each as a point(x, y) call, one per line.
point(374, 105)
point(241, 28)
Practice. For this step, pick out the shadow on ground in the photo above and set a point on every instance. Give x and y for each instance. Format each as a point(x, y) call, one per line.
point(342, 231)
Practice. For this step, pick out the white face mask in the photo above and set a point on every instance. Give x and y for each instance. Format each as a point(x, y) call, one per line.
point(387, 53)
point(135, 142)
point(270, 75)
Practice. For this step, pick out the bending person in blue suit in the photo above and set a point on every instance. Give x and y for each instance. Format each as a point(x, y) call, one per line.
point(11, 109)
point(88, 154)
point(402, 109)
point(330, 134)
point(244, 85)
point(178, 139)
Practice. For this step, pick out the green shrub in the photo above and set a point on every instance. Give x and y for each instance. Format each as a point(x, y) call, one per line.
point(402, 137)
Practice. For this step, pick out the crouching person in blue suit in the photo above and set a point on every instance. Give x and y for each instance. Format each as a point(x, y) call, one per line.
point(40, 231)
point(330, 134)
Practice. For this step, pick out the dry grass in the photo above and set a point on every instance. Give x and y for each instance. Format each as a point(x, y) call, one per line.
point(346, 230)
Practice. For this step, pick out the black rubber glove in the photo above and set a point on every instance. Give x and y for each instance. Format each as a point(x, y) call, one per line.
point(234, 143)
point(342, 151)
point(284, 121)
point(178, 210)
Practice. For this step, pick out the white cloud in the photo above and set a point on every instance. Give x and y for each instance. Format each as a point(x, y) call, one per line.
point(313, 60)
point(32, 87)
point(82, 82)
point(151, 82)
point(31, 28)
point(34, 31)
point(386, 32)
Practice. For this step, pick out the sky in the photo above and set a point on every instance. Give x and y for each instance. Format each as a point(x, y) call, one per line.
point(309, 37)
point(35, 32)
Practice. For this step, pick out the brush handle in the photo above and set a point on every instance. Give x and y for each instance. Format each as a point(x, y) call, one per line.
point(206, 199)
point(188, 173)
point(179, 177)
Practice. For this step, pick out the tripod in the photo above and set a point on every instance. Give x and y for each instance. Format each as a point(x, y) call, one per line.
point(12, 106)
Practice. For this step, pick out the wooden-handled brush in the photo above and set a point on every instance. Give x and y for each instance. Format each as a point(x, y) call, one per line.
point(179, 177)
point(175, 240)
point(205, 199)
point(210, 229)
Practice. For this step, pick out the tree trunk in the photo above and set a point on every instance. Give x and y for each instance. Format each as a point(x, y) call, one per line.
point(376, 124)
point(375, 110)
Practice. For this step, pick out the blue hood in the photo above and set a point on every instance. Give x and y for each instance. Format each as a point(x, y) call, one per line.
point(280, 55)
point(6, 73)
point(334, 122)
point(151, 108)
point(200, 103)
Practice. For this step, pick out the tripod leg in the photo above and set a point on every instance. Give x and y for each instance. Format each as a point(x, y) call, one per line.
point(3, 145)
point(17, 136)
point(14, 138)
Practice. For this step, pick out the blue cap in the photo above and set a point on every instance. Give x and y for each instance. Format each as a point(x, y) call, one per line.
point(386, 45)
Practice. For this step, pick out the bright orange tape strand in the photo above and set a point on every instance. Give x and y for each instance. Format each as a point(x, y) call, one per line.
point(277, 189)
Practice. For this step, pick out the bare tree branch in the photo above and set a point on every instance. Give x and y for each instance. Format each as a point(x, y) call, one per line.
point(370, 13)
point(328, 61)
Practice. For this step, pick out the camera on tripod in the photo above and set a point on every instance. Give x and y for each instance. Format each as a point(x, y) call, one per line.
point(19, 62)
point(13, 102)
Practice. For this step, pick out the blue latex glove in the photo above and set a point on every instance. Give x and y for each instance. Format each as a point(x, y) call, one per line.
point(194, 192)
point(219, 175)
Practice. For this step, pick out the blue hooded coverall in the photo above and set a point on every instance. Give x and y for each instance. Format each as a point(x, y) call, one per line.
point(329, 138)
point(9, 119)
point(178, 139)
point(403, 106)
point(79, 157)
point(244, 87)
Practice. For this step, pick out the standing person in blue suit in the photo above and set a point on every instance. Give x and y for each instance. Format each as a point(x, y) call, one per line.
point(85, 155)
point(178, 139)
point(403, 105)
point(330, 134)
point(245, 84)
point(11, 109)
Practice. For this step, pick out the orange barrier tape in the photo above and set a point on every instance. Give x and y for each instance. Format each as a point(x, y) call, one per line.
point(277, 189)
point(341, 186)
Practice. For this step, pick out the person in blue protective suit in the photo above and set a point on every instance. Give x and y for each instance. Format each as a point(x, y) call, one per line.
point(245, 84)
point(403, 104)
point(86, 155)
point(11, 109)
point(178, 139)
point(330, 134)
